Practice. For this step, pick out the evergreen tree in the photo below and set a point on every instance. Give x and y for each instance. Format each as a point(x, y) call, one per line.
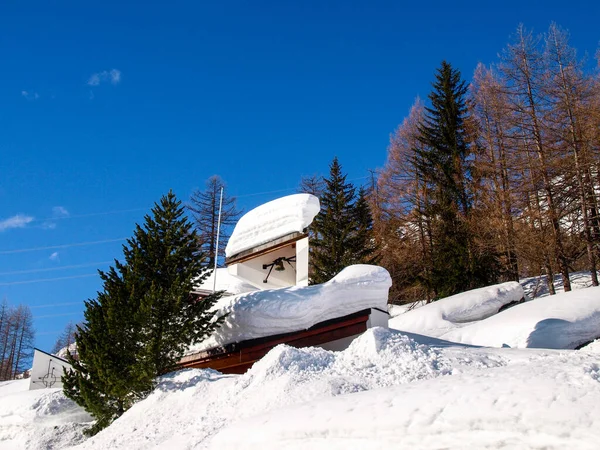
point(343, 229)
point(442, 162)
point(204, 206)
point(333, 226)
point(363, 245)
point(144, 319)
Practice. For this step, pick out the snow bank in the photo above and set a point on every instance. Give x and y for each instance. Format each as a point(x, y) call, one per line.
point(561, 321)
point(514, 406)
point(189, 407)
point(448, 313)
point(266, 313)
point(272, 220)
point(38, 419)
point(225, 282)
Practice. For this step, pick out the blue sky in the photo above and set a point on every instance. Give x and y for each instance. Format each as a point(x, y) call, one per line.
point(106, 106)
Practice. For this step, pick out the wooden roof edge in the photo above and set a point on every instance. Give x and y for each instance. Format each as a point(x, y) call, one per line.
point(268, 247)
point(236, 346)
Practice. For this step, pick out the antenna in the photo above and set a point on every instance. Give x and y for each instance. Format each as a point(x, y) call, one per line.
point(217, 244)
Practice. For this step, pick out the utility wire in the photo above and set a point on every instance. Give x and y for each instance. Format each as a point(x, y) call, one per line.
point(53, 247)
point(53, 305)
point(79, 216)
point(11, 283)
point(56, 315)
point(49, 269)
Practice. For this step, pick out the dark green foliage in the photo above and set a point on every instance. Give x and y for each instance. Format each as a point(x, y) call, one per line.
point(144, 319)
point(443, 163)
point(363, 246)
point(342, 229)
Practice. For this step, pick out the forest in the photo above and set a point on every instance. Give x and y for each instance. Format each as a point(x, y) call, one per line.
point(496, 178)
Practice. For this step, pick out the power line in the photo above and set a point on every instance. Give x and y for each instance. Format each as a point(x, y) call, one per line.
point(48, 279)
point(79, 216)
point(50, 269)
point(55, 315)
point(53, 305)
point(53, 247)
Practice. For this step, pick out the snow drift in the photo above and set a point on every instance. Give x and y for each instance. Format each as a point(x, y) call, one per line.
point(562, 321)
point(270, 312)
point(437, 318)
point(38, 419)
point(272, 220)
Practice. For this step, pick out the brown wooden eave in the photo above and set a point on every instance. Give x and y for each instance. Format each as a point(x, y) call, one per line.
point(239, 357)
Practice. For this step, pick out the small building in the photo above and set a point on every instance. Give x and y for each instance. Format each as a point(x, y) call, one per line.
point(47, 370)
point(272, 303)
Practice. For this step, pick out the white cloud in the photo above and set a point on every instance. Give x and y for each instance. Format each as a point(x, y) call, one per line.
point(54, 257)
point(18, 221)
point(60, 212)
point(112, 76)
point(28, 95)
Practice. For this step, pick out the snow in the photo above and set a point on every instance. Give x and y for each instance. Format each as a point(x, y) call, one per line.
point(270, 312)
point(225, 282)
point(385, 391)
point(38, 419)
point(272, 220)
point(437, 318)
point(564, 320)
point(71, 348)
point(548, 402)
point(388, 389)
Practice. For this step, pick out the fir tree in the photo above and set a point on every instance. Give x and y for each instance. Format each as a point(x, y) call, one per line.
point(144, 319)
point(363, 246)
point(333, 226)
point(442, 162)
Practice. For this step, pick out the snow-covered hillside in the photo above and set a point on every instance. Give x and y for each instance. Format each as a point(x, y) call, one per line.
point(389, 389)
point(38, 419)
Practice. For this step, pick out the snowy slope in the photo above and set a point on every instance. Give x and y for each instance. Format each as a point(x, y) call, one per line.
point(38, 419)
point(550, 403)
point(269, 312)
point(564, 320)
point(272, 220)
point(390, 392)
point(439, 317)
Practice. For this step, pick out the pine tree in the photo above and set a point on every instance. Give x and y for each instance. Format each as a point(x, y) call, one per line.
point(144, 319)
point(363, 248)
point(442, 163)
point(333, 226)
point(204, 206)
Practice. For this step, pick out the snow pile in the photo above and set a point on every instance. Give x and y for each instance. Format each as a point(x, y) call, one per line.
point(272, 220)
point(396, 310)
point(385, 391)
point(38, 419)
point(561, 321)
point(592, 347)
point(439, 317)
point(190, 406)
point(225, 282)
point(270, 312)
point(550, 402)
point(71, 348)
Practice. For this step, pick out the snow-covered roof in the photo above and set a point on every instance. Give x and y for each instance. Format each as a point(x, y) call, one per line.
point(272, 220)
point(225, 282)
point(270, 312)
